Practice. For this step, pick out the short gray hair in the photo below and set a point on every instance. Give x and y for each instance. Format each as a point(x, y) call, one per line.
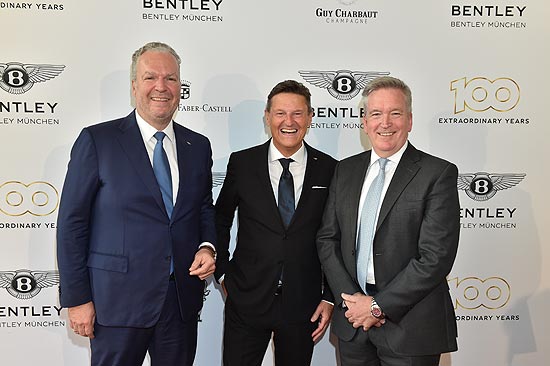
point(386, 82)
point(151, 46)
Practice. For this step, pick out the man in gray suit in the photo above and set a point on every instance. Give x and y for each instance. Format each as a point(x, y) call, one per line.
point(388, 240)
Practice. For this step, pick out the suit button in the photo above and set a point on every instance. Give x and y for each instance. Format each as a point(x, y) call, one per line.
point(353, 252)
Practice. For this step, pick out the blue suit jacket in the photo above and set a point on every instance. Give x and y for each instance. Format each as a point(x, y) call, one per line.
point(114, 237)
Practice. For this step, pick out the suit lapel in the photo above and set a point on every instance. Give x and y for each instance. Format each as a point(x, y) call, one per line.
point(404, 173)
point(132, 143)
point(312, 169)
point(262, 174)
point(354, 187)
point(185, 149)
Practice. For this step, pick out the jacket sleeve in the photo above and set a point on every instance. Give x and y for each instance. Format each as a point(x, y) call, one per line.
point(73, 222)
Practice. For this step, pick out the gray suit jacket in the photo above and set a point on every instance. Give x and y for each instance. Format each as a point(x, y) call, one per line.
point(414, 248)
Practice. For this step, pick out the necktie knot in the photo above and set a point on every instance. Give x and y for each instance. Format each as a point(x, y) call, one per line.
point(159, 136)
point(382, 162)
point(285, 162)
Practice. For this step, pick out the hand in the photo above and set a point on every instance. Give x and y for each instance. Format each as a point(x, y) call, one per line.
point(82, 318)
point(358, 313)
point(322, 315)
point(204, 264)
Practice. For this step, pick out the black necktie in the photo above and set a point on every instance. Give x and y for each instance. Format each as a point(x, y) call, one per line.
point(286, 192)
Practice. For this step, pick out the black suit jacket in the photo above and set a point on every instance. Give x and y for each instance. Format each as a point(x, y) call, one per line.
point(414, 248)
point(263, 243)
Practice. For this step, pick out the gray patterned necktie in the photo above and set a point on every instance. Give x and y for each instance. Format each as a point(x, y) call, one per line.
point(366, 225)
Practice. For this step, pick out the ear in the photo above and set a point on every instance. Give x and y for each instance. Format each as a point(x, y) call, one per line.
point(364, 121)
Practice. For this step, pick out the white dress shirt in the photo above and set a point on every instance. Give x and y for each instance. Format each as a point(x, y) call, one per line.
point(297, 169)
point(169, 144)
point(372, 172)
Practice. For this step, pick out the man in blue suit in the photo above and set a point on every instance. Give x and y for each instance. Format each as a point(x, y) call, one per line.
point(136, 233)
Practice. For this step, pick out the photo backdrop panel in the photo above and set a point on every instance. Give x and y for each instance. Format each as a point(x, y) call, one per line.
point(477, 71)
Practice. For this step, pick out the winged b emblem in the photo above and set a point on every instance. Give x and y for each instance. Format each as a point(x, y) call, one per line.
point(483, 186)
point(24, 284)
point(18, 78)
point(342, 84)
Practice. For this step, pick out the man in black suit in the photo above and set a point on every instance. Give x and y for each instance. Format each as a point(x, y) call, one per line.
point(273, 281)
point(388, 240)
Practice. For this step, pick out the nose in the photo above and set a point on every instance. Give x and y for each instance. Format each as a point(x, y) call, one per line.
point(386, 121)
point(160, 85)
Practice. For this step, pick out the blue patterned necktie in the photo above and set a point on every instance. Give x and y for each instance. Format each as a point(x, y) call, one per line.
point(286, 192)
point(366, 225)
point(161, 168)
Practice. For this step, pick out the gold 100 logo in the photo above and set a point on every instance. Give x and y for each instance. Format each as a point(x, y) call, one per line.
point(36, 198)
point(480, 94)
point(473, 293)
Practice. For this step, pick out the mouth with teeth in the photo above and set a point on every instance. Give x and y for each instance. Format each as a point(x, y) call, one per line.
point(386, 134)
point(289, 130)
point(159, 99)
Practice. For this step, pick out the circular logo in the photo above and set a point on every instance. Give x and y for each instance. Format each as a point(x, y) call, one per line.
point(37, 198)
point(23, 282)
point(482, 187)
point(344, 83)
point(472, 292)
point(15, 79)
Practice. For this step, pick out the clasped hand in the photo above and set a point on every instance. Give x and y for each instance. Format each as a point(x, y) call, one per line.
point(359, 311)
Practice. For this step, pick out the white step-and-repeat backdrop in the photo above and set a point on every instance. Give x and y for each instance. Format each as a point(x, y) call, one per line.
point(479, 72)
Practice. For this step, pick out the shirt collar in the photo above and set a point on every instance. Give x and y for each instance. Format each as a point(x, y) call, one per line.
point(395, 158)
point(148, 131)
point(298, 157)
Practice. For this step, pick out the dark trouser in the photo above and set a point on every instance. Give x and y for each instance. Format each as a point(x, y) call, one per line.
point(171, 342)
point(371, 349)
point(245, 340)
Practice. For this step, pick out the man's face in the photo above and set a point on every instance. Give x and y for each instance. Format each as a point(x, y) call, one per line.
point(387, 121)
point(288, 120)
point(157, 87)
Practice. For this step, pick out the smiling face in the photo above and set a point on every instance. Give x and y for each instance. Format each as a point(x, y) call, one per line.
point(157, 88)
point(387, 121)
point(288, 118)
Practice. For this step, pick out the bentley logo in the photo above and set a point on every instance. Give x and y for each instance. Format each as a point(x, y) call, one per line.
point(25, 284)
point(342, 84)
point(483, 186)
point(217, 179)
point(17, 78)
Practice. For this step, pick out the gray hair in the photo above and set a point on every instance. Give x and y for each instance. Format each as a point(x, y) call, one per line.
point(386, 82)
point(151, 46)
